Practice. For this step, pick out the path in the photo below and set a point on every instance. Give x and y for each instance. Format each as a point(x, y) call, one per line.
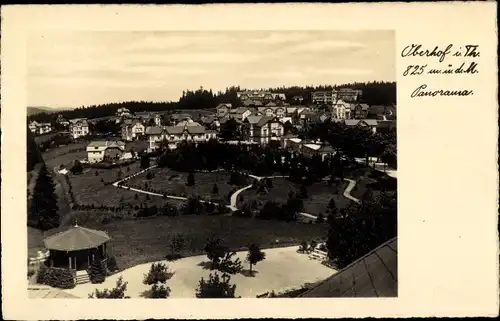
point(116, 184)
point(283, 268)
point(234, 196)
point(347, 192)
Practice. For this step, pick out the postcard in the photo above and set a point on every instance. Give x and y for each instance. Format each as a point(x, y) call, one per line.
point(217, 161)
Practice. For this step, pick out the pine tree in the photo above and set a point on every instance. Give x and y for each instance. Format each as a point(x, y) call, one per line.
point(44, 210)
point(97, 272)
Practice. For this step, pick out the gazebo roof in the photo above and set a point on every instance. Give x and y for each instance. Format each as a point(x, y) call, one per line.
point(76, 238)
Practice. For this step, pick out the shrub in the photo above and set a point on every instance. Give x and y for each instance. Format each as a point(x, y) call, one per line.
point(229, 265)
point(254, 255)
point(97, 272)
point(215, 189)
point(149, 175)
point(136, 196)
point(215, 251)
point(190, 180)
point(320, 218)
point(158, 273)
point(117, 293)
point(160, 291)
point(57, 278)
point(216, 287)
point(177, 243)
point(304, 247)
point(111, 264)
point(96, 173)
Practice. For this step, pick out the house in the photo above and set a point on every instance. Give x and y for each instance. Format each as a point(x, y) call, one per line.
point(78, 127)
point(189, 131)
point(132, 129)
point(348, 94)
point(370, 123)
point(298, 99)
point(341, 110)
point(240, 113)
point(317, 148)
point(177, 118)
point(262, 129)
point(360, 111)
point(252, 103)
point(62, 121)
point(123, 112)
point(223, 109)
point(210, 121)
point(40, 128)
point(97, 151)
point(272, 110)
point(325, 97)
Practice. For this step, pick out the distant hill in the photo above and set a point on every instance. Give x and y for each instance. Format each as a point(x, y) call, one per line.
point(37, 110)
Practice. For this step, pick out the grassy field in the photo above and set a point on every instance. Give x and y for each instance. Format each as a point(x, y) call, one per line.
point(174, 183)
point(140, 241)
point(319, 195)
point(88, 188)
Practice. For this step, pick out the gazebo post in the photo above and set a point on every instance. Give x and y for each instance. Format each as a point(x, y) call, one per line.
point(69, 258)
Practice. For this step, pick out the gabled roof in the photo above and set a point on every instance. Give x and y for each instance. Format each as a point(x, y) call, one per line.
point(373, 275)
point(370, 122)
point(76, 238)
point(266, 119)
point(225, 105)
point(254, 119)
point(47, 292)
point(351, 122)
point(154, 130)
point(270, 104)
point(363, 106)
point(101, 145)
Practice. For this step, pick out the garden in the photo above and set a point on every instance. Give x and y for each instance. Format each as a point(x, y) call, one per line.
point(207, 185)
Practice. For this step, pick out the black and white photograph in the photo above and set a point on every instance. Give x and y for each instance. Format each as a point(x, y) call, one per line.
point(211, 164)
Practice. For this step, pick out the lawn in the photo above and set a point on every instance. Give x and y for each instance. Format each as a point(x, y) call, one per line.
point(144, 240)
point(172, 182)
point(65, 155)
point(368, 179)
point(319, 194)
point(89, 189)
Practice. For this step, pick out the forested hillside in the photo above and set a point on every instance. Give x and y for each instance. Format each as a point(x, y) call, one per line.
point(374, 93)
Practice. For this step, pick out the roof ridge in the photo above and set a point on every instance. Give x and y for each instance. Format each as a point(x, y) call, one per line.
point(351, 264)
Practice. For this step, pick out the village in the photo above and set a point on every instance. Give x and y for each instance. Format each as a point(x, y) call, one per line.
point(219, 183)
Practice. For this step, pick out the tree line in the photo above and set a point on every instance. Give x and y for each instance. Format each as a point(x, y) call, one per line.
point(376, 93)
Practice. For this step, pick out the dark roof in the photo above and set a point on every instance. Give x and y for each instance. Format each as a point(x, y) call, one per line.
point(264, 120)
point(154, 130)
point(373, 275)
point(46, 292)
point(76, 238)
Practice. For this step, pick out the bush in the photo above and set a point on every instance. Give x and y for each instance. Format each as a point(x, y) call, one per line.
point(320, 218)
point(177, 243)
point(160, 291)
point(111, 264)
point(215, 189)
point(57, 278)
point(97, 272)
point(117, 293)
point(149, 175)
point(228, 265)
point(216, 287)
point(158, 273)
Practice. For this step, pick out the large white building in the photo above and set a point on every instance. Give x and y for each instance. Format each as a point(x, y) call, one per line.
point(78, 127)
point(262, 129)
point(97, 151)
point(341, 110)
point(328, 97)
point(184, 131)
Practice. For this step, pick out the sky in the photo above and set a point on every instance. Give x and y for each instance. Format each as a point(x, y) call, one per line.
point(81, 68)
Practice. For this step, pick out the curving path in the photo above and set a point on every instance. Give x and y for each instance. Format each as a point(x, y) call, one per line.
point(234, 196)
point(115, 184)
point(347, 192)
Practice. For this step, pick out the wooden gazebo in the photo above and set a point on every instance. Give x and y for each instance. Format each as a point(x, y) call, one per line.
point(76, 248)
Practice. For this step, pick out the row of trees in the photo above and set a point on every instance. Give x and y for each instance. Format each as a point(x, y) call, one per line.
point(259, 160)
point(357, 141)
